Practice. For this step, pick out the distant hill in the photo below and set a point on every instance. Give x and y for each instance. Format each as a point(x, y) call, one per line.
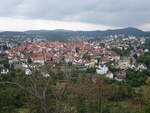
point(15, 35)
point(66, 34)
point(63, 35)
point(125, 31)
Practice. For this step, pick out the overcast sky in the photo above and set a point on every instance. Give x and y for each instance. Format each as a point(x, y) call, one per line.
point(74, 14)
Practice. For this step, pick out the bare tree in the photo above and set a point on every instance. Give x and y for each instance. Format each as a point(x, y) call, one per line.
point(37, 88)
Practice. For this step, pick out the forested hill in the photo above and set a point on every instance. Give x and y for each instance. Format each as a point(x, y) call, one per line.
point(63, 35)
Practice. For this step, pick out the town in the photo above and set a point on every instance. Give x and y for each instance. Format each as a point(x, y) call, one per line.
point(102, 56)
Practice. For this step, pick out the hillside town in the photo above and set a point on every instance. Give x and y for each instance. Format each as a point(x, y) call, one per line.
point(103, 56)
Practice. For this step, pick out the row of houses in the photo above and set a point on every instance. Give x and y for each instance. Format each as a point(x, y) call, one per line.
point(59, 51)
point(80, 54)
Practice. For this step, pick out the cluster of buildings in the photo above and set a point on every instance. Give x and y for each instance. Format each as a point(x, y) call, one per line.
point(97, 54)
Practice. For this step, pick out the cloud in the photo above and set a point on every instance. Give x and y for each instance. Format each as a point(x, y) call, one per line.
point(7, 7)
point(9, 24)
point(120, 13)
point(145, 27)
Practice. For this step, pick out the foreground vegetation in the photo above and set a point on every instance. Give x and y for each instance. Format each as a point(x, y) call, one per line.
point(72, 91)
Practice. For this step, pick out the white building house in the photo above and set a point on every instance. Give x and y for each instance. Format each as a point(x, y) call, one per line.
point(39, 60)
point(24, 65)
point(28, 72)
point(4, 71)
point(110, 75)
point(102, 69)
point(141, 67)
